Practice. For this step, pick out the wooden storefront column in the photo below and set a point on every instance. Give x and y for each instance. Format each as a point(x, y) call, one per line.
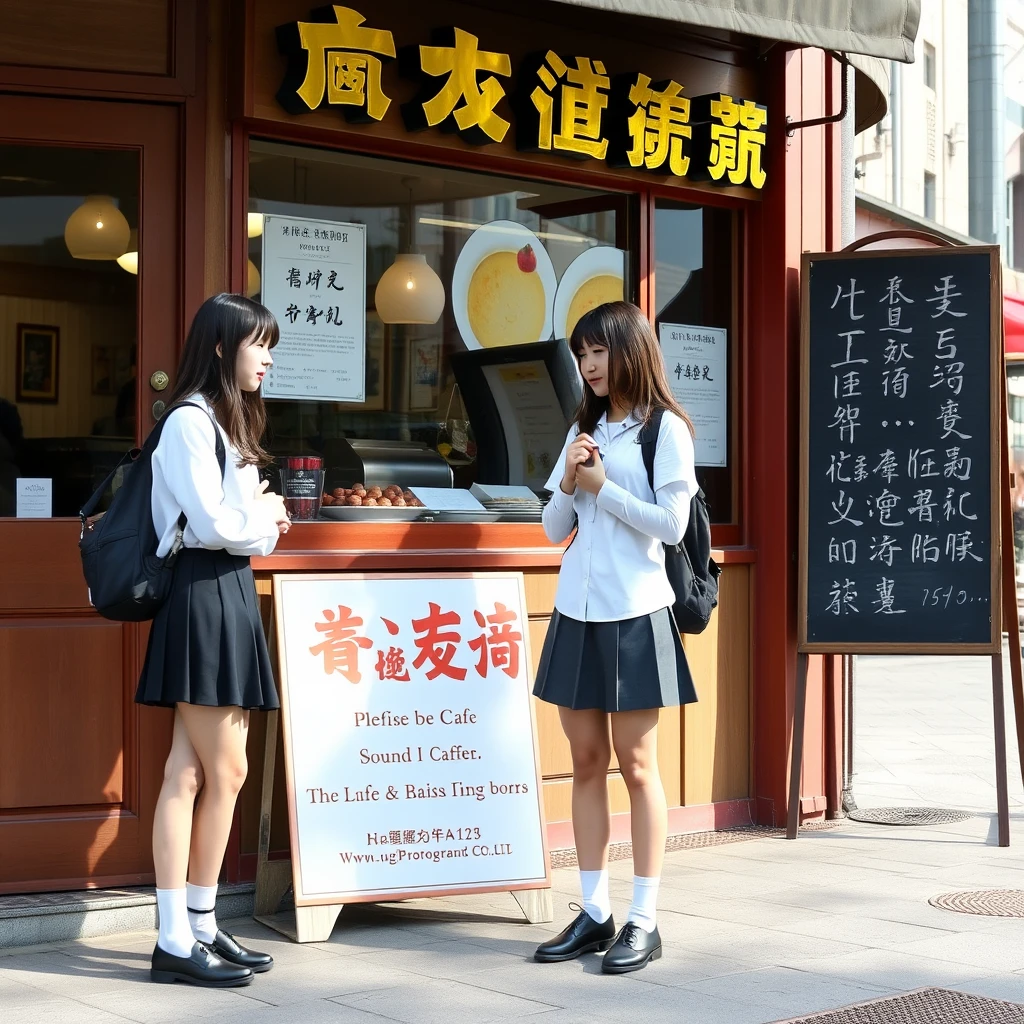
point(800, 212)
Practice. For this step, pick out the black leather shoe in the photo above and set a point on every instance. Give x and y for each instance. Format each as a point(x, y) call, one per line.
point(201, 967)
point(584, 935)
point(633, 949)
point(228, 949)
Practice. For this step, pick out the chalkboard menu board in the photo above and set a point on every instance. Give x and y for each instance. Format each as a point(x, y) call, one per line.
point(899, 520)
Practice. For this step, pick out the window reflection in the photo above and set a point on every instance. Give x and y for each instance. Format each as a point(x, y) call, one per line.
point(67, 319)
point(484, 392)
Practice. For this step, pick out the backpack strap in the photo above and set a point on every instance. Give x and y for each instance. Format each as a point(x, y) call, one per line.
point(648, 440)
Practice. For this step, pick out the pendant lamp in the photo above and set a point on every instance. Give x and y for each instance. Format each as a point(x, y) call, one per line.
point(254, 225)
point(409, 292)
point(130, 260)
point(97, 230)
point(252, 283)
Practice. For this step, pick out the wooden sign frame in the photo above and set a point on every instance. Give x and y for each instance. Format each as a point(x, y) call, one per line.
point(315, 916)
point(996, 386)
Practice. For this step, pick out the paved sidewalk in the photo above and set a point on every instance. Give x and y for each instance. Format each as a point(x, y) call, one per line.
point(755, 931)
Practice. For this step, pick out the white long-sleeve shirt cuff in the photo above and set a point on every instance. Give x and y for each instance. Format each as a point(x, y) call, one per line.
point(665, 521)
point(559, 516)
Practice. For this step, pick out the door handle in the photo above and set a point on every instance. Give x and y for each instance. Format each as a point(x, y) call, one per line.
point(158, 380)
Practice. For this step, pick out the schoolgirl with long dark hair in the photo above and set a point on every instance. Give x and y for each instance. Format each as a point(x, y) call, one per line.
point(613, 656)
point(207, 656)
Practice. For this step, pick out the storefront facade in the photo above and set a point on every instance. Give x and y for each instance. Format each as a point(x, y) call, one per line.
point(658, 148)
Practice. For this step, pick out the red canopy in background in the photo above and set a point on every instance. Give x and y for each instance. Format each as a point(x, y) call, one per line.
point(1013, 317)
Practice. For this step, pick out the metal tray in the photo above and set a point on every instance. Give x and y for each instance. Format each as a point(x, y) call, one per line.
point(358, 514)
point(460, 516)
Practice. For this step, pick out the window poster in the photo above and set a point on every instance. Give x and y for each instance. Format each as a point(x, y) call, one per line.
point(314, 282)
point(410, 746)
point(696, 361)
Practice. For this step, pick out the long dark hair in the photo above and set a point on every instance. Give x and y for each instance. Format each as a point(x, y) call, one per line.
point(230, 321)
point(636, 370)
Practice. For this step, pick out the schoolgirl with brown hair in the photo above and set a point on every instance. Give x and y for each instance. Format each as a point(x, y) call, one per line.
point(613, 656)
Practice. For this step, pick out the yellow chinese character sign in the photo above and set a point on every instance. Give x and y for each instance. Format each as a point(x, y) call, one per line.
point(337, 61)
point(729, 140)
point(459, 88)
point(561, 108)
point(649, 126)
point(569, 106)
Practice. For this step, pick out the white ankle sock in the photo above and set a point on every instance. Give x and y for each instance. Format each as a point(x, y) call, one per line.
point(596, 901)
point(202, 911)
point(644, 908)
point(175, 935)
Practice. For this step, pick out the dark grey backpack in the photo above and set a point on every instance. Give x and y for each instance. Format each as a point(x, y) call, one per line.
point(127, 581)
point(689, 566)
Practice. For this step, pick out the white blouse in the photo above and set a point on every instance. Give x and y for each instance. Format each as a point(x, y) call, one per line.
point(187, 478)
point(625, 526)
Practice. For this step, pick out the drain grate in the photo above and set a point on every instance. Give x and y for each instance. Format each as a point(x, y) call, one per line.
point(984, 902)
point(926, 1006)
point(908, 815)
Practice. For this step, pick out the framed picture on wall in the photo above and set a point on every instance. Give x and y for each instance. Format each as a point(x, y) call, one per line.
point(424, 373)
point(38, 363)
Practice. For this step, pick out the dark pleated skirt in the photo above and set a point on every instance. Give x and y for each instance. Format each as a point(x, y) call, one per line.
point(207, 644)
point(629, 665)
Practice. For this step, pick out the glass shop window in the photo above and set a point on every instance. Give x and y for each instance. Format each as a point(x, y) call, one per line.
point(694, 279)
point(423, 314)
point(68, 260)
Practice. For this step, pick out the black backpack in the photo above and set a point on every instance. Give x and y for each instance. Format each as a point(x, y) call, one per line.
point(127, 581)
point(689, 566)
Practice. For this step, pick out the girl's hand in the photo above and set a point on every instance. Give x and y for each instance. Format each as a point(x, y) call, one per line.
point(591, 478)
point(272, 502)
point(577, 453)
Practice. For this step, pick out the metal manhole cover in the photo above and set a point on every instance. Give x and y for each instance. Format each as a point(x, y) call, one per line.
point(926, 1006)
point(983, 902)
point(908, 815)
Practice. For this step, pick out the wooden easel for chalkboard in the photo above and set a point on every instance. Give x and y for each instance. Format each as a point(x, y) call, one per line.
point(971, 633)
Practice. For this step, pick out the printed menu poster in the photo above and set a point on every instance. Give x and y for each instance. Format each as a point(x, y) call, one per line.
point(314, 282)
point(531, 417)
point(409, 742)
point(696, 362)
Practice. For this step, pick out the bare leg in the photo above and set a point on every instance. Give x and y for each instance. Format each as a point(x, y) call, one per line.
point(218, 736)
point(635, 737)
point(172, 821)
point(587, 733)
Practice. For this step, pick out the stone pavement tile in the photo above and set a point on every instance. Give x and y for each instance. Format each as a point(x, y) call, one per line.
point(316, 1011)
point(417, 1000)
point(16, 993)
point(890, 969)
point(146, 1003)
point(756, 912)
point(784, 992)
point(453, 959)
point(63, 975)
point(52, 1011)
point(864, 931)
point(681, 966)
point(1009, 987)
point(985, 950)
point(580, 988)
point(748, 944)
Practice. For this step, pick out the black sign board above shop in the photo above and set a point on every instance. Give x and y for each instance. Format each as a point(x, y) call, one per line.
point(900, 428)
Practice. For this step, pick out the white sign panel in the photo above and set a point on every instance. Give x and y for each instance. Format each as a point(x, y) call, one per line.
point(34, 498)
point(696, 361)
point(409, 741)
point(314, 282)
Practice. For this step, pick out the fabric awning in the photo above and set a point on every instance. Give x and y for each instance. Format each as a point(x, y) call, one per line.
point(1013, 321)
point(866, 32)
